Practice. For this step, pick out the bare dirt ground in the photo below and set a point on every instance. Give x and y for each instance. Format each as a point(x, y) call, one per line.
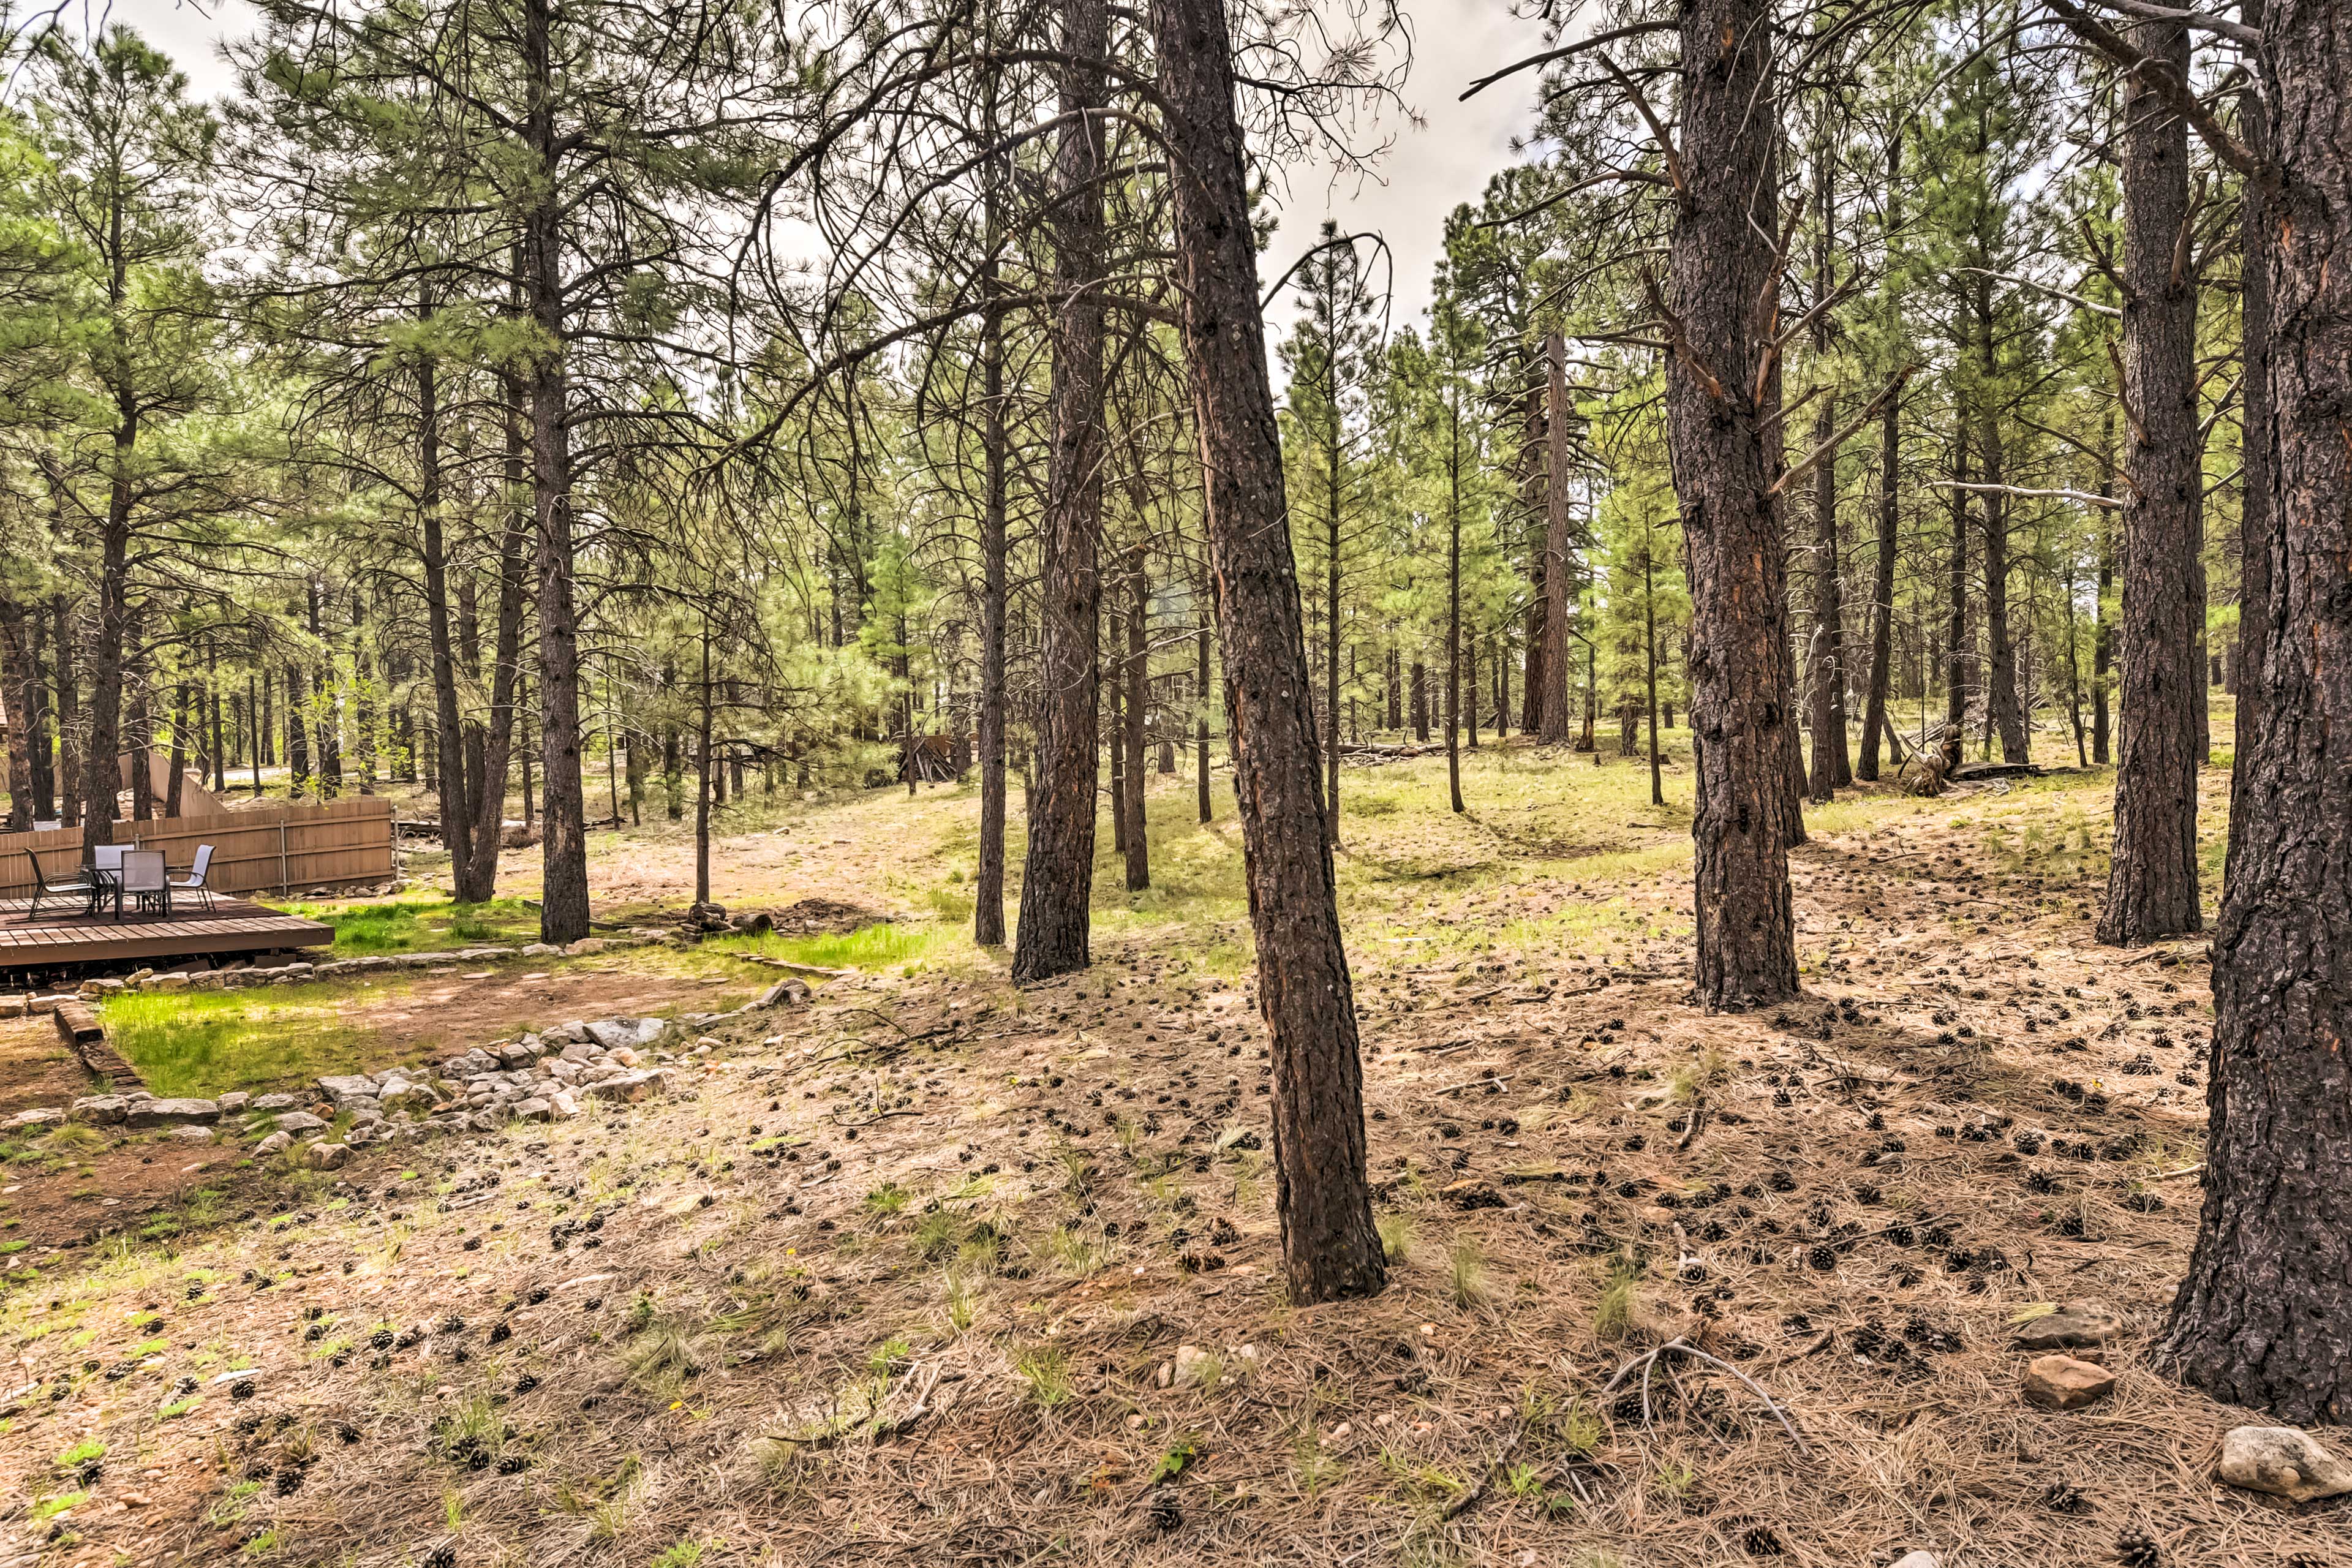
point(907, 1279)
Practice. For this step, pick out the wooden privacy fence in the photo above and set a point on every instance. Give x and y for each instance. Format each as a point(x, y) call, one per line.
point(268, 850)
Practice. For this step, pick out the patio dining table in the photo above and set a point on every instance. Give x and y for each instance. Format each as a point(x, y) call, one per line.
point(140, 872)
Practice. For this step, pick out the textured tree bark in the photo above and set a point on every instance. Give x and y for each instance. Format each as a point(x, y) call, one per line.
point(1882, 593)
point(1722, 268)
point(2254, 395)
point(988, 886)
point(1329, 1246)
point(39, 718)
point(2264, 1317)
point(1453, 623)
point(1138, 681)
point(2103, 631)
point(330, 716)
point(1115, 697)
point(1555, 709)
point(68, 680)
point(1957, 651)
point(563, 843)
point(2152, 880)
point(498, 730)
point(1826, 683)
point(1057, 875)
point(2002, 711)
point(20, 697)
point(298, 735)
point(1332, 480)
point(457, 804)
point(1200, 717)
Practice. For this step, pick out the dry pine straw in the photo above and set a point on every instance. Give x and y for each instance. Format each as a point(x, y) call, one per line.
point(1442, 1422)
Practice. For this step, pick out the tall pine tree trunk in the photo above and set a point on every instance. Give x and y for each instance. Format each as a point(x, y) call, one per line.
point(2152, 880)
point(1059, 874)
point(457, 807)
point(1137, 666)
point(1201, 716)
point(563, 849)
point(1957, 651)
point(2264, 1317)
point(988, 886)
point(1329, 1246)
point(2254, 393)
point(498, 734)
point(1554, 712)
point(1722, 267)
point(1454, 621)
point(1882, 593)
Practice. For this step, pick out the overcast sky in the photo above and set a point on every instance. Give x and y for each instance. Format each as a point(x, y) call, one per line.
point(1423, 174)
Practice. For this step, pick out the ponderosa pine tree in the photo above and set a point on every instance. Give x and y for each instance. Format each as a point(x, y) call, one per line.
point(1330, 1248)
point(2152, 883)
point(2264, 1317)
point(1057, 878)
point(1723, 273)
point(129, 162)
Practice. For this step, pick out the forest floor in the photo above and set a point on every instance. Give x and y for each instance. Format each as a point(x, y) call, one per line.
point(908, 1274)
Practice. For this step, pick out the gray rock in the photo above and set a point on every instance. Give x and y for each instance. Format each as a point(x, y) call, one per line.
point(2284, 1461)
point(275, 1102)
point(578, 1054)
point(327, 1156)
point(193, 1134)
point(648, 1084)
point(234, 1101)
point(44, 1116)
point(299, 1122)
point(170, 1113)
point(276, 1143)
point(611, 1032)
point(2074, 1324)
point(348, 1086)
point(485, 1121)
point(106, 1110)
point(517, 1056)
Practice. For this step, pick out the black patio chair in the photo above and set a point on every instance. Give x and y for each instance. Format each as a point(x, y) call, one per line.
point(77, 886)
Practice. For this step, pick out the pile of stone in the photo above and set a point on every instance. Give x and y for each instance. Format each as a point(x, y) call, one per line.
point(546, 1076)
point(295, 972)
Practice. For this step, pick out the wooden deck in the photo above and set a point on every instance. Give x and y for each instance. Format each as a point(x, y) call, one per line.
point(62, 935)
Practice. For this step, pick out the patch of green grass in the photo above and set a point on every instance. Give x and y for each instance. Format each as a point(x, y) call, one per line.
point(1466, 1272)
point(202, 1042)
point(1047, 1373)
point(423, 924)
point(1613, 1314)
point(873, 947)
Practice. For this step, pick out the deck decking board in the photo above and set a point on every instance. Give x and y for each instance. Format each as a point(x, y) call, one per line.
point(61, 934)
